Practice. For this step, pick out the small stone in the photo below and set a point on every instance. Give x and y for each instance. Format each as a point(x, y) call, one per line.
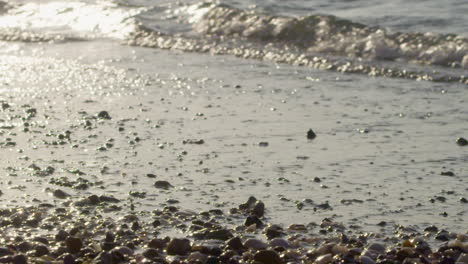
point(366, 260)
point(178, 247)
point(60, 194)
point(68, 259)
point(431, 229)
point(103, 115)
point(73, 244)
point(157, 243)
point(61, 235)
point(41, 250)
point(268, 257)
point(163, 185)
point(220, 234)
point(279, 242)
point(447, 173)
point(463, 200)
point(253, 219)
point(108, 199)
point(259, 209)
point(4, 251)
point(377, 247)
point(311, 134)
point(324, 259)
point(103, 258)
point(462, 142)
point(274, 231)
point(126, 251)
point(255, 244)
point(235, 243)
point(197, 256)
point(463, 258)
point(20, 259)
point(150, 253)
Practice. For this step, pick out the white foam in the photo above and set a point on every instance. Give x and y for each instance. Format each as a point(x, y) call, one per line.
point(107, 20)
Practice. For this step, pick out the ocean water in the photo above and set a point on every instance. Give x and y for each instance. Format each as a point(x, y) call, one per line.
point(417, 40)
point(383, 84)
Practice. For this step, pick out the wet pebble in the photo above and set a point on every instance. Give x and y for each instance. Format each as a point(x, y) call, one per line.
point(197, 256)
point(279, 242)
point(311, 134)
point(235, 243)
point(324, 259)
point(254, 243)
point(267, 257)
point(366, 260)
point(4, 251)
point(103, 115)
point(151, 253)
point(178, 246)
point(163, 185)
point(462, 142)
point(60, 194)
point(73, 244)
point(20, 259)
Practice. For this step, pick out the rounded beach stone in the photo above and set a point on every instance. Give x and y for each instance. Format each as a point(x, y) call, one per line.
point(279, 242)
point(267, 257)
point(366, 260)
point(255, 244)
point(462, 142)
point(4, 251)
point(73, 244)
point(20, 259)
point(324, 259)
point(259, 209)
point(178, 246)
point(150, 253)
point(235, 243)
point(197, 256)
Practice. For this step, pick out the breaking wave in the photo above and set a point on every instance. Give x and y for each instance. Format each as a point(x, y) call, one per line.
point(319, 41)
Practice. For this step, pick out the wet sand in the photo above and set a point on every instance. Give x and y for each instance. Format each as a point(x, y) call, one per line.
point(142, 135)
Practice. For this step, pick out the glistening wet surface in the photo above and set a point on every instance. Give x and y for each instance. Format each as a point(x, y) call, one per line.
point(384, 151)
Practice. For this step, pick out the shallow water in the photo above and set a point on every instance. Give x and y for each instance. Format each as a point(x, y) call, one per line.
point(381, 143)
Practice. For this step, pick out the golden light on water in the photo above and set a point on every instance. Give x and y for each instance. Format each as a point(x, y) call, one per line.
point(59, 17)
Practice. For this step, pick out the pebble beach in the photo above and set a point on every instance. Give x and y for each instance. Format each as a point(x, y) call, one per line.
point(170, 148)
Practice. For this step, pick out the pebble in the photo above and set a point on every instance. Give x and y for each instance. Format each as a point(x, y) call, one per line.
point(20, 259)
point(41, 250)
point(463, 258)
point(60, 194)
point(253, 219)
point(254, 243)
point(324, 259)
point(124, 250)
point(268, 257)
point(279, 242)
point(4, 251)
point(462, 142)
point(366, 260)
point(163, 184)
point(220, 234)
point(311, 134)
point(259, 209)
point(377, 247)
point(73, 244)
point(151, 253)
point(235, 243)
point(197, 256)
point(178, 246)
point(103, 115)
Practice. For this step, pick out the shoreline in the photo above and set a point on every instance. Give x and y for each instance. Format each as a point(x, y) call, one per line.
point(149, 129)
